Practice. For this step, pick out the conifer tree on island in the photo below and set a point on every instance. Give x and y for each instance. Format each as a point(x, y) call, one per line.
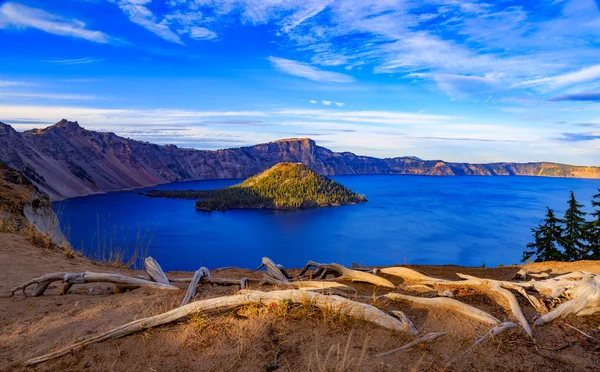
point(547, 240)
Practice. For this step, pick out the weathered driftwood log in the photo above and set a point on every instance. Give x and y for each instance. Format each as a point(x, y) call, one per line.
point(331, 303)
point(308, 285)
point(272, 269)
point(409, 275)
point(489, 334)
point(191, 291)
point(585, 300)
point(155, 271)
point(421, 340)
point(345, 273)
point(495, 286)
point(409, 326)
point(448, 304)
point(243, 282)
point(87, 277)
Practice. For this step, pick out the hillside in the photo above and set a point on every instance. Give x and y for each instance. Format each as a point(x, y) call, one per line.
point(27, 211)
point(65, 160)
point(257, 338)
point(283, 186)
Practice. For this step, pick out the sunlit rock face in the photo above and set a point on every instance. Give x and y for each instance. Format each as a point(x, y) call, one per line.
point(66, 160)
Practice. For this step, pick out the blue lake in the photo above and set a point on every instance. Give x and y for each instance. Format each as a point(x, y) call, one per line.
point(408, 219)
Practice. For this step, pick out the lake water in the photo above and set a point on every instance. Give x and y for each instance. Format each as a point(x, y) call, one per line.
point(408, 219)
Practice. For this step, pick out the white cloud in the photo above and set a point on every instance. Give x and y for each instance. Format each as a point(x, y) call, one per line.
point(339, 104)
point(201, 33)
point(307, 71)
point(139, 14)
point(326, 103)
point(586, 74)
point(20, 16)
point(313, 101)
point(76, 61)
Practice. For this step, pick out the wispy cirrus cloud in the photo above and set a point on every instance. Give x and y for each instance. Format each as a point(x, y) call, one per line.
point(307, 71)
point(18, 16)
point(76, 61)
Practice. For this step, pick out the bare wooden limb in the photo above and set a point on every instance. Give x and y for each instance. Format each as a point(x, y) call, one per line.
point(283, 270)
point(495, 287)
point(331, 303)
point(409, 326)
point(191, 291)
point(410, 275)
point(86, 277)
point(585, 300)
point(448, 304)
point(309, 284)
point(272, 269)
point(489, 334)
point(421, 340)
point(344, 273)
point(155, 271)
point(211, 280)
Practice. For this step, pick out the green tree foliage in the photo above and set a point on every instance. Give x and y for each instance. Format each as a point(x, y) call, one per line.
point(284, 186)
point(593, 230)
point(574, 234)
point(547, 240)
point(568, 239)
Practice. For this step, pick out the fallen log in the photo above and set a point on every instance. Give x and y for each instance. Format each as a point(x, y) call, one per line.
point(585, 300)
point(43, 282)
point(409, 326)
point(273, 269)
point(309, 284)
point(331, 303)
point(191, 291)
point(344, 273)
point(410, 275)
point(448, 304)
point(155, 271)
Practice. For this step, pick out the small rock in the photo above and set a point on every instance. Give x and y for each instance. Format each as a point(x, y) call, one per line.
point(447, 293)
point(77, 303)
point(91, 289)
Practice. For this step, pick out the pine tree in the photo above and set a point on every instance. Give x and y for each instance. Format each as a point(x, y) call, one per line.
point(573, 240)
point(547, 240)
point(593, 230)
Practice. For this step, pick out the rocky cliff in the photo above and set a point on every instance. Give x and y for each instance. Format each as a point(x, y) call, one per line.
point(65, 160)
point(23, 208)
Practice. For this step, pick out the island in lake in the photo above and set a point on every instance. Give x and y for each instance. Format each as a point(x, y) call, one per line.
point(287, 186)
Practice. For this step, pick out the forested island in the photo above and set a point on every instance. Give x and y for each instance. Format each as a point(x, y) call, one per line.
point(287, 186)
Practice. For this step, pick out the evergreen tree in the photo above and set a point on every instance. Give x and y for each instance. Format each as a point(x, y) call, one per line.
point(593, 230)
point(573, 240)
point(547, 240)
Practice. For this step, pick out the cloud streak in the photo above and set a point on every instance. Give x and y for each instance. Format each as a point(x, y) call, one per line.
point(19, 16)
point(307, 71)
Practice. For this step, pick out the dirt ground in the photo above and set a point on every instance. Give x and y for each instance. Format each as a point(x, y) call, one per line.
point(260, 339)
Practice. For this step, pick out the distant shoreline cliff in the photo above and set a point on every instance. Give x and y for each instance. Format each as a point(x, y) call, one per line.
point(66, 160)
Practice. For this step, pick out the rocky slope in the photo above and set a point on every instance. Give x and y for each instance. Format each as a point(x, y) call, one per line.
point(65, 160)
point(24, 209)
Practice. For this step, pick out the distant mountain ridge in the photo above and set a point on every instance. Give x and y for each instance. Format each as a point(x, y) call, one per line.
point(66, 160)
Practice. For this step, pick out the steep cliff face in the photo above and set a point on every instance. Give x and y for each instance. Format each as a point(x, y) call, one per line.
point(65, 160)
point(22, 207)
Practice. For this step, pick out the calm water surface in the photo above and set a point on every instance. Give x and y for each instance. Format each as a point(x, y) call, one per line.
point(408, 219)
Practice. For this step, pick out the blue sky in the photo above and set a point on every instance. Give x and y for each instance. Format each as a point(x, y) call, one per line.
point(439, 79)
